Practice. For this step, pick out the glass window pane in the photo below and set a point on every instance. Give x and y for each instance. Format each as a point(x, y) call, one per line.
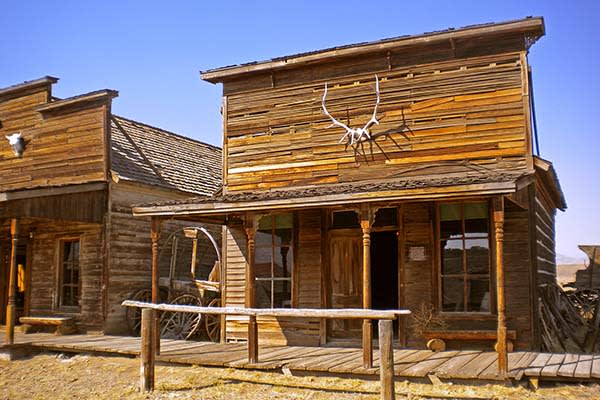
point(476, 210)
point(262, 261)
point(452, 294)
point(450, 212)
point(263, 294)
point(283, 294)
point(263, 239)
point(284, 221)
point(266, 223)
point(345, 219)
point(478, 256)
point(283, 262)
point(283, 237)
point(450, 229)
point(478, 294)
point(452, 254)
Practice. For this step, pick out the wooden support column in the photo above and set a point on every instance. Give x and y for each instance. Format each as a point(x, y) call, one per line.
point(501, 346)
point(147, 356)
point(367, 329)
point(11, 308)
point(251, 290)
point(386, 357)
point(154, 234)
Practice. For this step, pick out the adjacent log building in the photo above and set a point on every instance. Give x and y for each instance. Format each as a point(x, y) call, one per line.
point(66, 225)
point(441, 205)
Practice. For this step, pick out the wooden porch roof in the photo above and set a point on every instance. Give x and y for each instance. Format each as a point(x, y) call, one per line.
point(399, 189)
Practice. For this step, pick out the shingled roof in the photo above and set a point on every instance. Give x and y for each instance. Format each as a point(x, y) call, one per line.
point(145, 154)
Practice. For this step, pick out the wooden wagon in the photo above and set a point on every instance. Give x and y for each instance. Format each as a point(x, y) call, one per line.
point(184, 290)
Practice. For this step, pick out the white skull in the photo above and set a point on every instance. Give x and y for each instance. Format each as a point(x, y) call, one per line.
point(17, 142)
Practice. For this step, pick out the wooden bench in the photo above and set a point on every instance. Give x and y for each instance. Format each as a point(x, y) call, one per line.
point(64, 325)
point(435, 339)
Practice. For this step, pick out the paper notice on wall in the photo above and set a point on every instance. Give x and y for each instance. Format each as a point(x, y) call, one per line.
point(416, 253)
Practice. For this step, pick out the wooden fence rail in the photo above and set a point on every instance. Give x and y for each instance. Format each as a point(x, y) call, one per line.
point(150, 336)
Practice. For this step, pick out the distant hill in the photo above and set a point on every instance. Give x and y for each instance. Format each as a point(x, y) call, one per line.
point(562, 259)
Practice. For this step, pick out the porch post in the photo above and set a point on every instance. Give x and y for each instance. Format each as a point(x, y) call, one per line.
point(11, 308)
point(154, 234)
point(501, 348)
point(367, 329)
point(251, 291)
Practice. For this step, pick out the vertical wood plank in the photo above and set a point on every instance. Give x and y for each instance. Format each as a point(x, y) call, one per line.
point(252, 340)
point(147, 355)
point(501, 349)
point(367, 328)
point(386, 359)
point(250, 272)
point(154, 234)
point(11, 307)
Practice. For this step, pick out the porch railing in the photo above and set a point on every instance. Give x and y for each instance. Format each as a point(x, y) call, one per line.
point(385, 317)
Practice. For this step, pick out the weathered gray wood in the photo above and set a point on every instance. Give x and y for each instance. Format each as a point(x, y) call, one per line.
point(349, 313)
point(148, 351)
point(386, 359)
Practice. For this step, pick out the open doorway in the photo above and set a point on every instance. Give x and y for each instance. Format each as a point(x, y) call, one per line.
point(20, 295)
point(384, 272)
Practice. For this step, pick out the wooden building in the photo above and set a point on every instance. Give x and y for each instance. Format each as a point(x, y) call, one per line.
point(68, 179)
point(440, 204)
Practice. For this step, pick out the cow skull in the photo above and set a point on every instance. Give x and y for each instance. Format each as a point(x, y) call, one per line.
point(354, 136)
point(17, 142)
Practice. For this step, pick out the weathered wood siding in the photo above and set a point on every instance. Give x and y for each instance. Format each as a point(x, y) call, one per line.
point(458, 109)
point(57, 145)
point(306, 292)
point(545, 215)
point(129, 249)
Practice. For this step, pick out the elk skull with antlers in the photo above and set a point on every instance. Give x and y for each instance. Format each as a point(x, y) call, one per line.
point(354, 136)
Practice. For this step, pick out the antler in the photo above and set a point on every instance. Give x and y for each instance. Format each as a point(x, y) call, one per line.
point(355, 134)
point(373, 119)
point(334, 121)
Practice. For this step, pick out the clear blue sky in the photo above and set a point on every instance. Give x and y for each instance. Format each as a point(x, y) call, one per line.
point(151, 52)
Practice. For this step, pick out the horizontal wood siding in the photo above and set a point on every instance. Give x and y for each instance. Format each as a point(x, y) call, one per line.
point(46, 242)
point(463, 109)
point(61, 149)
point(545, 237)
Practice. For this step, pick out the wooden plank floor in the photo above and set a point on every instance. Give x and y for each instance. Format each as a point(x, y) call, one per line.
point(408, 363)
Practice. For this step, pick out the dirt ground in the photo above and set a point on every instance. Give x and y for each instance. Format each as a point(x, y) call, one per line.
point(92, 377)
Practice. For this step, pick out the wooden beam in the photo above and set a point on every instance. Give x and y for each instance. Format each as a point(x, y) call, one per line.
point(11, 308)
point(367, 328)
point(498, 212)
point(386, 357)
point(147, 354)
point(251, 289)
point(154, 235)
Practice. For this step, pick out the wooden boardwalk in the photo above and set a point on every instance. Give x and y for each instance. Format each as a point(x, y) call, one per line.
point(408, 363)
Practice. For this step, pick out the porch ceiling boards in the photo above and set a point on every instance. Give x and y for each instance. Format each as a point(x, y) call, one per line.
point(475, 183)
point(466, 365)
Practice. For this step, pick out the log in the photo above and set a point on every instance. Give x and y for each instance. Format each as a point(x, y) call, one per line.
point(148, 351)
point(386, 356)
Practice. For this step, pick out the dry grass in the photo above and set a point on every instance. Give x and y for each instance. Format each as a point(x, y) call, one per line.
point(90, 377)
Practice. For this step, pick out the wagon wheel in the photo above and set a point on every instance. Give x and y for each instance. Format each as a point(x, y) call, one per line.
point(180, 325)
point(212, 322)
point(133, 315)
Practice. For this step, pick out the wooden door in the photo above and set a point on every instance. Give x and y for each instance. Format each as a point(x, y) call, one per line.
point(345, 252)
point(4, 275)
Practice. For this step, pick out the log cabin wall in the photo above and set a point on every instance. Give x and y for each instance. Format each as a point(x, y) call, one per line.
point(457, 106)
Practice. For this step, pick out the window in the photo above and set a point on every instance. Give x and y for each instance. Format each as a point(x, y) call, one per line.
point(69, 287)
point(274, 261)
point(344, 219)
point(464, 242)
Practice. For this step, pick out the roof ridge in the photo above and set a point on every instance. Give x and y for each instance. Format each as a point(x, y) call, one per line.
point(166, 131)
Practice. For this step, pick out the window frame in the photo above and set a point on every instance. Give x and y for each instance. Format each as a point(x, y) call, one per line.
point(292, 259)
point(439, 262)
point(60, 275)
